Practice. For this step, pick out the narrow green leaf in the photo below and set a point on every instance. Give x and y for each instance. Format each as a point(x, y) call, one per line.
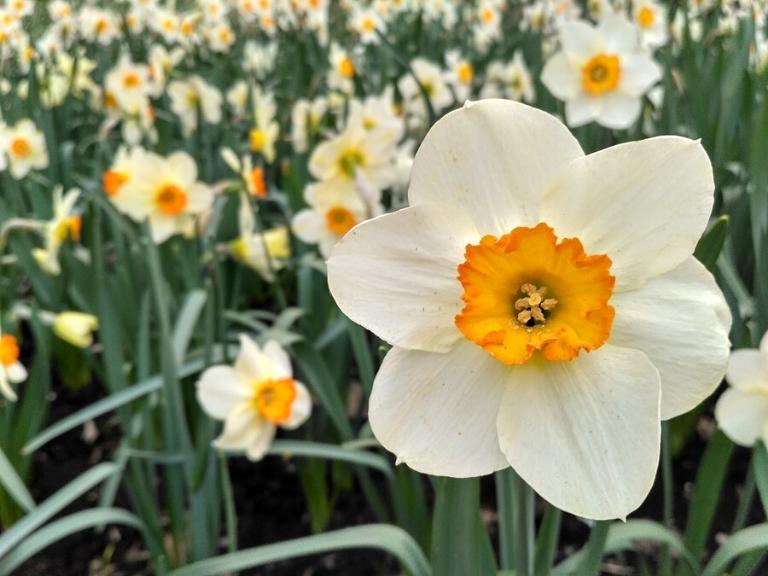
point(46, 510)
point(594, 549)
point(64, 527)
point(546, 541)
point(331, 452)
point(711, 244)
point(14, 484)
point(380, 536)
point(111, 402)
point(455, 532)
point(747, 540)
point(186, 321)
point(361, 350)
point(706, 494)
point(760, 467)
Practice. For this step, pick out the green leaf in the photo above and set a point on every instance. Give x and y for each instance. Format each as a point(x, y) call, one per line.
point(760, 466)
point(107, 404)
point(46, 510)
point(546, 541)
point(455, 531)
point(64, 527)
point(14, 484)
point(706, 494)
point(331, 452)
point(622, 536)
point(592, 553)
point(711, 244)
point(186, 321)
point(747, 540)
point(380, 536)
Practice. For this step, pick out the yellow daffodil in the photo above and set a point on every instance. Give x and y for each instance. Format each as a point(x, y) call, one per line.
point(545, 308)
point(76, 328)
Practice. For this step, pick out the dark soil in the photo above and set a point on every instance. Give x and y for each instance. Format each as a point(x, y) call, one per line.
point(271, 508)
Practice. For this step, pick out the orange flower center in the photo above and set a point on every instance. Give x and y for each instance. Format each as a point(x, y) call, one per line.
point(601, 74)
point(9, 350)
point(131, 80)
point(258, 183)
point(346, 67)
point(68, 227)
point(368, 25)
point(273, 399)
point(646, 17)
point(465, 73)
point(171, 200)
point(527, 292)
point(21, 148)
point(339, 220)
point(112, 181)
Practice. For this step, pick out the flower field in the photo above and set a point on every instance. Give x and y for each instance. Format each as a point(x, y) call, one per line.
point(380, 287)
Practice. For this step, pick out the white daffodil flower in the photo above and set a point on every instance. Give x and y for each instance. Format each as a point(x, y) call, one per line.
point(64, 224)
point(254, 397)
point(11, 370)
point(24, 146)
point(742, 410)
point(545, 308)
point(601, 73)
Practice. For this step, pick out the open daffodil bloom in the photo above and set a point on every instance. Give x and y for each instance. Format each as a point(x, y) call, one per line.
point(544, 307)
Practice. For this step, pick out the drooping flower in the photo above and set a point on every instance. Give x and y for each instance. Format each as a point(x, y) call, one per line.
point(12, 371)
point(601, 73)
point(742, 410)
point(545, 308)
point(76, 328)
point(254, 397)
point(64, 225)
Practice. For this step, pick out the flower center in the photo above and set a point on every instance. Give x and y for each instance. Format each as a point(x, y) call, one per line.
point(257, 139)
point(465, 73)
point(346, 67)
point(131, 80)
point(601, 74)
point(68, 227)
point(112, 181)
point(170, 199)
point(526, 292)
point(273, 399)
point(646, 17)
point(368, 25)
point(350, 160)
point(258, 183)
point(339, 220)
point(9, 350)
point(21, 148)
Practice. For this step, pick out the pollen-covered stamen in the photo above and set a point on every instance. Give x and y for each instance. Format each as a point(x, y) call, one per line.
point(532, 308)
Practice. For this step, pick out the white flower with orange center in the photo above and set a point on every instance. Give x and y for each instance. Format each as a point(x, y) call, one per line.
point(262, 137)
point(545, 308)
point(167, 192)
point(129, 84)
point(333, 211)
point(367, 23)
point(23, 145)
point(601, 72)
point(11, 370)
point(254, 397)
point(651, 19)
point(431, 83)
point(742, 410)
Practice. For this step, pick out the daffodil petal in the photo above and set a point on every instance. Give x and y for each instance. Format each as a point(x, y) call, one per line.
point(681, 321)
point(281, 362)
point(748, 369)
point(219, 390)
point(437, 412)
point(492, 159)
point(396, 275)
point(252, 364)
point(619, 111)
point(585, 434)
point(261, 442)
point(242, 428)
point(742, 415)
point(644, 204)
point(561, 77)
point(300, 409)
